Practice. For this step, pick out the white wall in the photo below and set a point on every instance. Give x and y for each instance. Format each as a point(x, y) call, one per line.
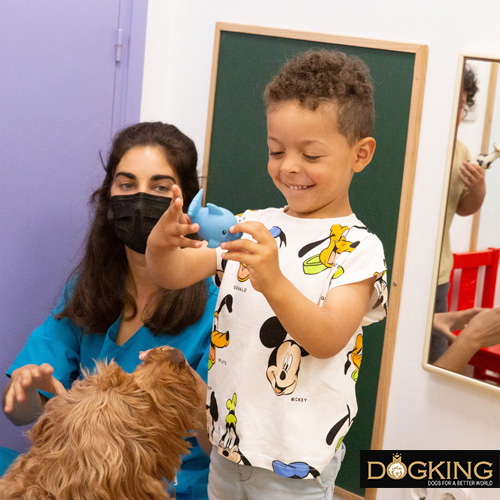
point(424, 411)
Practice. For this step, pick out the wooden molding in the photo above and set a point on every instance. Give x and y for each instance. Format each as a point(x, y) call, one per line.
point(347, 495)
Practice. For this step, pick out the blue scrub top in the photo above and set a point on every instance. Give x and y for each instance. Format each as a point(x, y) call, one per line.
point(62, 344)
point(7, 456)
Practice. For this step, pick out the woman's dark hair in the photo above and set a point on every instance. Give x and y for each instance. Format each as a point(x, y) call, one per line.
point(100, 295)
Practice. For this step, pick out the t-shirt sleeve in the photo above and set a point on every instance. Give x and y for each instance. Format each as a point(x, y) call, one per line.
point(366, 260)
point(56, 342)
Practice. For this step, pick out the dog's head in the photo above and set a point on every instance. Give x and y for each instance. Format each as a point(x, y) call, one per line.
point(114, 434)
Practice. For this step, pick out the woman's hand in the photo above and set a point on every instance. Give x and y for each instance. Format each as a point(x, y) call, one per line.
point(483, 330)
point(448, 322)
point(29, 379)
point(22, 402)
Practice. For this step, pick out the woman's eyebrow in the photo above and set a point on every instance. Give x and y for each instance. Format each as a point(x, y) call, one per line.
point(126, 174)
point(157, 177)
point(160, 177)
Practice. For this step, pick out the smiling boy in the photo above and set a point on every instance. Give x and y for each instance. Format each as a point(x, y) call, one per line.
point(313, 275)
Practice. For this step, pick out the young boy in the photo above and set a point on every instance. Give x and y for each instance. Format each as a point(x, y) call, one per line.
point(295, 291)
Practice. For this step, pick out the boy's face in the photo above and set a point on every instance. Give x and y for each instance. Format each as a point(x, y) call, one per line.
point(310, 162)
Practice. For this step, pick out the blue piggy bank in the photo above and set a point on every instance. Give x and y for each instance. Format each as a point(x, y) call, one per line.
point(214, 221)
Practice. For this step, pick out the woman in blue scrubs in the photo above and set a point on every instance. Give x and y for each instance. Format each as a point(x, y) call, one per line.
point(110, 308)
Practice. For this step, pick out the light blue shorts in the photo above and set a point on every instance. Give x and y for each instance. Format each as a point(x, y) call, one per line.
point(228, 480)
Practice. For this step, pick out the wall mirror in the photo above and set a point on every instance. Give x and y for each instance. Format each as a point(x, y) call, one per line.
point(466, 261)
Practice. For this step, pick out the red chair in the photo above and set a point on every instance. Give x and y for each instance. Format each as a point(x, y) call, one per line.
point(469, 263)
point(487, 359)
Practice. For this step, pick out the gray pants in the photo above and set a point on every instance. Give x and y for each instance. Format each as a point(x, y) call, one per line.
point(439, 341)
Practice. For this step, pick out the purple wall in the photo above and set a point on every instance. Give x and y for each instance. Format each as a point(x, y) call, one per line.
point(62, 96)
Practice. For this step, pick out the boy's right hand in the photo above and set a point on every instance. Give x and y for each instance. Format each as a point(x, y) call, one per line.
point(171, 230)
point(28, 379)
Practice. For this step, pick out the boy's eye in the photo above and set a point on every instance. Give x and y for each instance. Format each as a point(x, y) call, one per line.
point(275, 153)
point(312, 157)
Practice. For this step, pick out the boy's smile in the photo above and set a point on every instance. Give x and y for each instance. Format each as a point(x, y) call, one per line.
point(310, 162)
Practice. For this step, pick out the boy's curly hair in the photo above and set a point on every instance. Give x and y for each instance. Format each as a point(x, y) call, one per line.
point(321, 76)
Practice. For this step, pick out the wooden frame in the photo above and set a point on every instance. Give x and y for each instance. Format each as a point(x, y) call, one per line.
point(420, 52)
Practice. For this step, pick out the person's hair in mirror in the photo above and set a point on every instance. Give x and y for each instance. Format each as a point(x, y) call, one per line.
point(318, 77)
point(470, 84)
point(100, 295)
point(469, 90)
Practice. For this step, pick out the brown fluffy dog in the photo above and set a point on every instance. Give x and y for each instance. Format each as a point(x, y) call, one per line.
point(113, 436)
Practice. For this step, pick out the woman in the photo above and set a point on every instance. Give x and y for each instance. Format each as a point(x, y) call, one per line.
point(110, 308)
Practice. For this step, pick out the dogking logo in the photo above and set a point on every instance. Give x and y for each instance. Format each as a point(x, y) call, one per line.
point(396, 469)
point(437, 469)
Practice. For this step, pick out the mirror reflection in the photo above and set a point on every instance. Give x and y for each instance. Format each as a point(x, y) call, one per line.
point(465, 331)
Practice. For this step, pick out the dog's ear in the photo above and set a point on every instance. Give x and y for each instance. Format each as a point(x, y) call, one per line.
point(165, 354)
point(167, 384)
point(161, 365)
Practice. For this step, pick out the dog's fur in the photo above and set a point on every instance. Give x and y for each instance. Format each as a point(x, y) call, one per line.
point(113, 436)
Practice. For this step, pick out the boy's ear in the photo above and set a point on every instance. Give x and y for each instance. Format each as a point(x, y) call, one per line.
point(364, 150)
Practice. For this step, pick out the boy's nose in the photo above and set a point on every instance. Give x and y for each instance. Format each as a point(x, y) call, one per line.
point(289, 165)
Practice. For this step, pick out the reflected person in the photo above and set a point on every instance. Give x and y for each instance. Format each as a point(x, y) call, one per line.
point(465, 196)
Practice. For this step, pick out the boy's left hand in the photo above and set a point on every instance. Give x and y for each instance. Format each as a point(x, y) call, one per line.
point(259, 256)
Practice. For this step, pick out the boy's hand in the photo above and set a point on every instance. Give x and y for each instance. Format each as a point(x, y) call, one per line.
point(171, 230)
point(259, 256)
point(26, 380)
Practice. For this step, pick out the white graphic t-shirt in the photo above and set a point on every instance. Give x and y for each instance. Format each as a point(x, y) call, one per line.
point(271, 404)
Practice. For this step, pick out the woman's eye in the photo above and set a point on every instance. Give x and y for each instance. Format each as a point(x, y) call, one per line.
point(126, 186)
point(163, 189)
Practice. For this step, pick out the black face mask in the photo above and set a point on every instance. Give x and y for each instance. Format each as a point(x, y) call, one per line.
point(133, 217)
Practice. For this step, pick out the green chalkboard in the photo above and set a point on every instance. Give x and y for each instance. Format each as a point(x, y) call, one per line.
point(236, 167)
